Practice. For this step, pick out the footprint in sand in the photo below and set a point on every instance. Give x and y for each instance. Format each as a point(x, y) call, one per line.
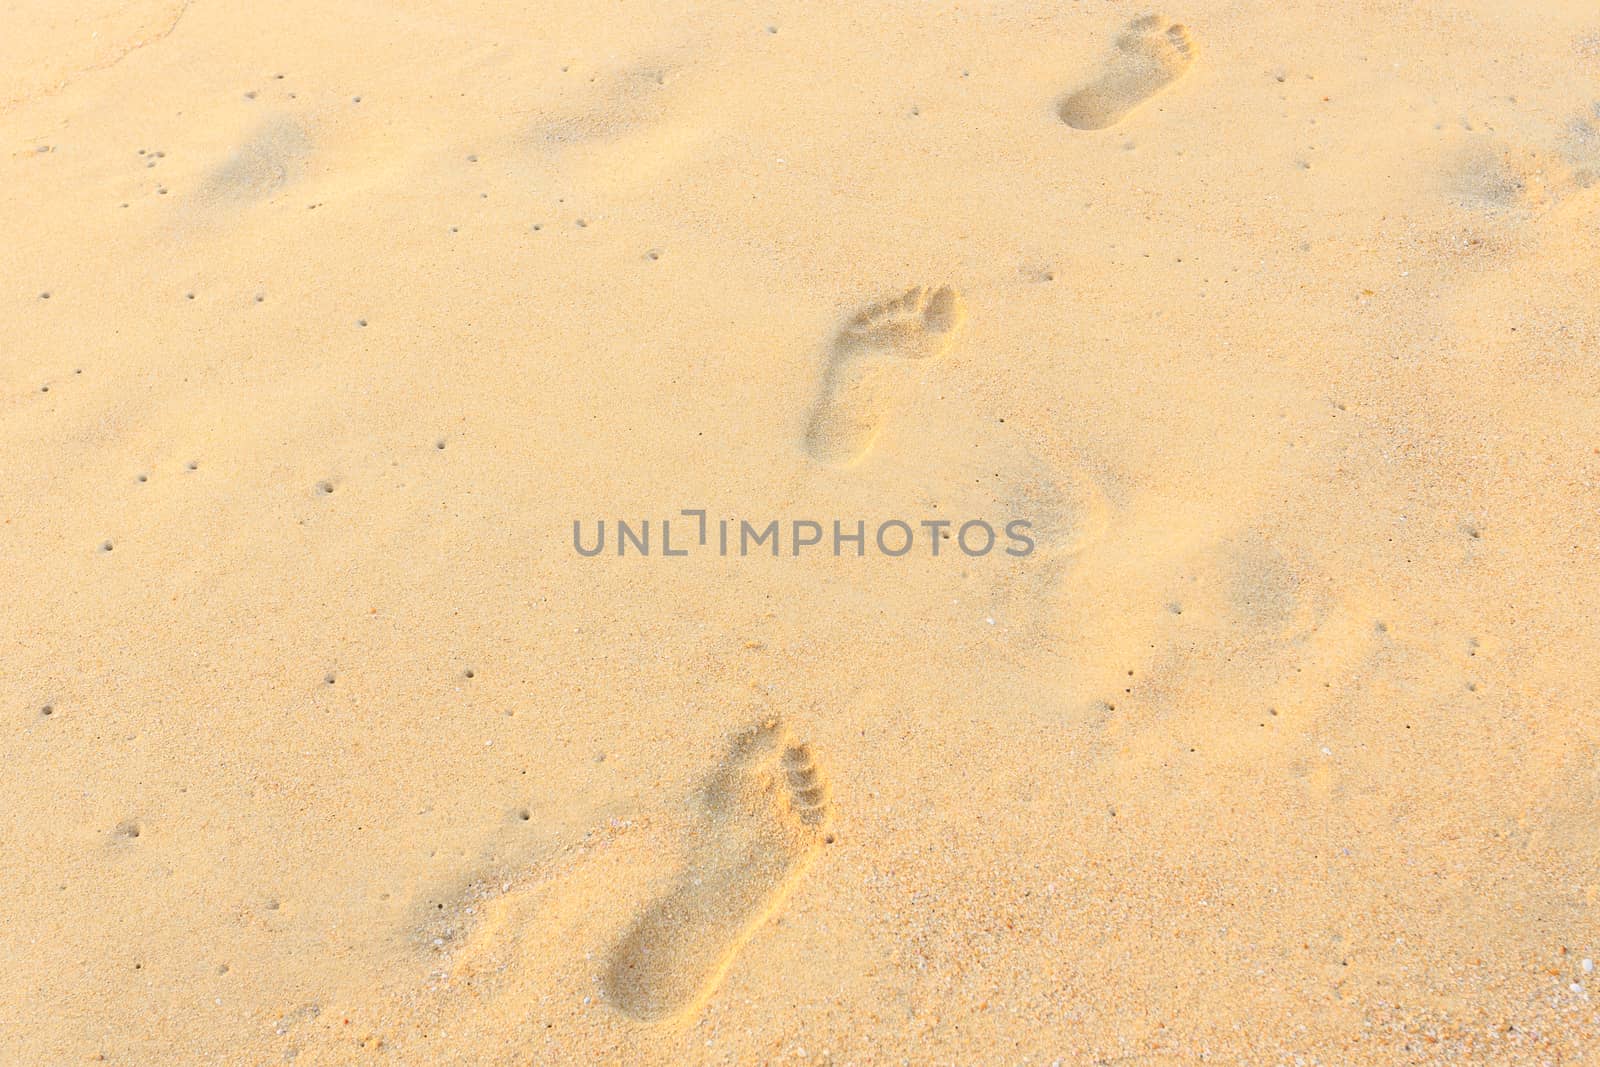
point(765, 818)
point(627, 99)
point(1582, 147)
point(1496, 177)
point(864, 368)
point(1150, 54)
point(274, 153)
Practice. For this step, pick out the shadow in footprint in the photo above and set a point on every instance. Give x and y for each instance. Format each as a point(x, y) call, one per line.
point(764, 818)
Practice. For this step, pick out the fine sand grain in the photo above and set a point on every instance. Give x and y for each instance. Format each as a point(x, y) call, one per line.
point(1270, 737)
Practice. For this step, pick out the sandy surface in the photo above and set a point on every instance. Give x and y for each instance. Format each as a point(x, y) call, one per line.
point(1278, 323)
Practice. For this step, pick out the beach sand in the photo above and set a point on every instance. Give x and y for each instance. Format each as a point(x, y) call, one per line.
point(1277, 324)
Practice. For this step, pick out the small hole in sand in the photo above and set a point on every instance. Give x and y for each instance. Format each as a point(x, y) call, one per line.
point(524, 815)
point(439, 444)
point(328, 679)
point(44, 296)
point(470, 673)
point(47, 710)
point(324, 487)
point(105, 546)
point(193, 465)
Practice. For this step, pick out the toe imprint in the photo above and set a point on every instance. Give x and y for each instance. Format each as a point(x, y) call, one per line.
point(808, 791)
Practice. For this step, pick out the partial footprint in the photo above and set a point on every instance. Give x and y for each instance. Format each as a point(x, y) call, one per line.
point(260, 166)
point(1492, 176)
point(764, 820)
point(1068, 512)
point(1582, 147)
point(627, 98)
point(1150, 54)
point(865, 368)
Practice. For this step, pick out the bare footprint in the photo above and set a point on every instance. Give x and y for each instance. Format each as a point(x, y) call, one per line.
point(1150, 54)
point(764, 820)
point(863, 368)
point(262, 164)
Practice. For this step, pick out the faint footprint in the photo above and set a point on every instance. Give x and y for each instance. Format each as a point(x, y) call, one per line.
point(260, 166)
point(627, 99)
point(1068, 513)
point(863, 368)
point(765, 818)
point(1150, 54)
point(1582, 147)
point(1492, 176)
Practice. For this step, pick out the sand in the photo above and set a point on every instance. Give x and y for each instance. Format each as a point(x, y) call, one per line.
point(1276, 325)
